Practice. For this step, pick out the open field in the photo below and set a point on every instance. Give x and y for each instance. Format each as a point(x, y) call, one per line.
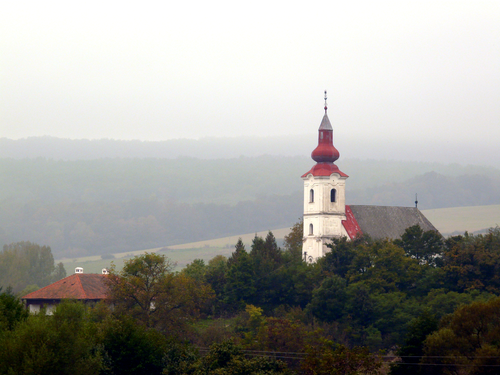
point(181, 254)
point(446, 220)
point(461, 219)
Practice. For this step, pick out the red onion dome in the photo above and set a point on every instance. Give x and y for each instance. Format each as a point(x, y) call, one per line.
point(325, 152)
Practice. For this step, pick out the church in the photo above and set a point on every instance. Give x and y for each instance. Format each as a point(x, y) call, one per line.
point(326, 215)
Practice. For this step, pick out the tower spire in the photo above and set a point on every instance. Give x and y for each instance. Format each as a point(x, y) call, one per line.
point(324, 195)
point(326, 106)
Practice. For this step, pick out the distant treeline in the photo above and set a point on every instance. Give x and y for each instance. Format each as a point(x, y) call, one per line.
point(205, 148)
point(349, 144)
point(114, 205)
point(80, 229)
point(228, 181)
point(26, 267)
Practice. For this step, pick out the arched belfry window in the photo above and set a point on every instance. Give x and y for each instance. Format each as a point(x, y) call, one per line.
point(333, 195)
point(311, 196)
point(311, 230)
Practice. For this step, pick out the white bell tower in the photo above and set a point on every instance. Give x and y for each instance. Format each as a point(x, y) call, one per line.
point(324, 196)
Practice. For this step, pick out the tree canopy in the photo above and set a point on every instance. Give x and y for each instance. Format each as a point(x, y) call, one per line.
point(24, 264)
point(148, 289)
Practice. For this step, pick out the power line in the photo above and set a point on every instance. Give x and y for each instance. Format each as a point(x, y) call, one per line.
point(302, 356)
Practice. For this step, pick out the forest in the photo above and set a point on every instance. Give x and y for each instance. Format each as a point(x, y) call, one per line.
point(420, 304)
point(103, 206)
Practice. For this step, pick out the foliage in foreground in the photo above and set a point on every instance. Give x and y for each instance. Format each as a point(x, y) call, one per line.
point(148, 289)
point(468, 341)
point(362, 296)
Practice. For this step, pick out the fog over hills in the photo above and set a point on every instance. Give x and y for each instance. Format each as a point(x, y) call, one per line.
point(85, 197)
point(355, 146)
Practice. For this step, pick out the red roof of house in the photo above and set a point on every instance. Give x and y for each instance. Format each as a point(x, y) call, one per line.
point(351, 224)
point(77, 286)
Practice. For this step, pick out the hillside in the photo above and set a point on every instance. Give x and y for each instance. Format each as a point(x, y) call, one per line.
point(448, 221)
point(351, 145)
point(92, 207)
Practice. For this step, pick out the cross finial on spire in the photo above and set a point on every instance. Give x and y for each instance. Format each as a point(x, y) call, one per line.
point(326, 106)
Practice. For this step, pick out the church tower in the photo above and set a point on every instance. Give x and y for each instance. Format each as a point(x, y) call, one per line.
point(324, 196)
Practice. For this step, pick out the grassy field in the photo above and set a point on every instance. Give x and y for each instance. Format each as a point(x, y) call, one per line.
point(461, 219)
point(181, 254)
point(446, 220)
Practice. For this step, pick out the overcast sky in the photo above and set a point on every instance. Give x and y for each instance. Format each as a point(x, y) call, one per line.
point(157, 70)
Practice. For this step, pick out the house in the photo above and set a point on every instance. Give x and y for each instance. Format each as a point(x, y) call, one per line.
point(88, 288)
point(326, 215)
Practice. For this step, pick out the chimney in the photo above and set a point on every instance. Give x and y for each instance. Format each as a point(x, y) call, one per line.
point(78, 270)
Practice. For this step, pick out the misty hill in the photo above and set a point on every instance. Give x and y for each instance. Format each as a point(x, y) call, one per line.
point(229, 181)
point(359, 146)
point(88, 207)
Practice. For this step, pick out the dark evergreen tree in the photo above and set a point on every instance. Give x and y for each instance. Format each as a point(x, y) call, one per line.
point(12, 310)
point(427, 247)
point(329, 300)
point(339, 259)
point(240, 279)
point(412, 350)
point(266, 258)
point(293, 243)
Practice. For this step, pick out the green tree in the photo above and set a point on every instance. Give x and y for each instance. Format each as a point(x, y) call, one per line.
point(65, 343)
point(195, 270)
point(385, 267)
point(26, 263)
point(148, 289)
point(391, 314)
point(330, 359)
point(413, 348)
point(293, 242)
point(329, 300)
point(442, 302)
point(239, 287)
point(467, 341)
point(281, 335)
point(131, 348)
point(473, 262)
point(426, 247)
point(360, 304)
point(216, 276)
point(266, 258)
point(12, 310)
point(296, 282)
point(339, 260)
point(228, 358)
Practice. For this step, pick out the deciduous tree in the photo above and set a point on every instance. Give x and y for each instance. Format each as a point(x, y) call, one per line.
point(148, 289)
point(469, 337)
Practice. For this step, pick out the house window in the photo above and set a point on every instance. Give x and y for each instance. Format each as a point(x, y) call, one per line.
point(311, 231)
point(333, 195)
point(311, 196)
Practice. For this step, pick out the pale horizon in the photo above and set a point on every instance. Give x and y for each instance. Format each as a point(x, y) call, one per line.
point(423, 71)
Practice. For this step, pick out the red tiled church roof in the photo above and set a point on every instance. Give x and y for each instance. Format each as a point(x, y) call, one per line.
point(379, 222)
point(324, 169)
point(87, 286)
point(351, 224)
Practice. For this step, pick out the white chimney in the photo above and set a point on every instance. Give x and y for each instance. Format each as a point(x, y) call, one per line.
point(78, 270)
point(105, 271)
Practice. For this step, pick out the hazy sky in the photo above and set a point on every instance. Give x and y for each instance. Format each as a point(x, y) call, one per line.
point(156, 70)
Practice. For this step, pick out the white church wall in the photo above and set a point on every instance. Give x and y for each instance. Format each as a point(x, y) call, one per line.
point(324, 216)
